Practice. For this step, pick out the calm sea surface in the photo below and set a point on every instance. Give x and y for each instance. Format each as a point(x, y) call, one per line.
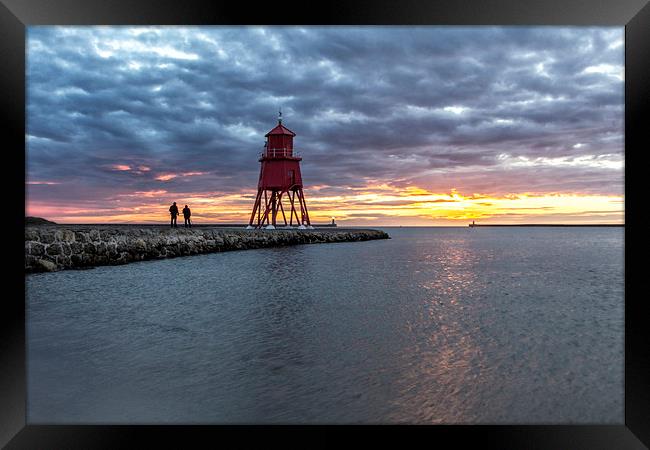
point(436, 325)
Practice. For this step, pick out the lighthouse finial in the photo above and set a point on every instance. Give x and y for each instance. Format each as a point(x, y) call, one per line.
point(280, 116)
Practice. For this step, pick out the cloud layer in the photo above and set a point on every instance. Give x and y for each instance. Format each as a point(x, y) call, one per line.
point(116, 115)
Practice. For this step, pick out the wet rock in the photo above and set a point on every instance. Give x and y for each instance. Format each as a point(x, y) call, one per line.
point(54, 249)
point(47, 237)
point(43, 265)
point(31, 235)
point(67, 236)
point(81, 237)
point(30, 261)
point(139, 245)
point(87, 259)
point(100, 248)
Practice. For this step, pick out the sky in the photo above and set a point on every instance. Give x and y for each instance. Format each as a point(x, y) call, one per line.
point(427, 126)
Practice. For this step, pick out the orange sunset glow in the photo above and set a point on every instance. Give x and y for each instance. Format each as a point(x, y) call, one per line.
point(383, 205)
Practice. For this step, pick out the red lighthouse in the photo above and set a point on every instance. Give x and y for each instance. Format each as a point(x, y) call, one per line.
point(280, 180)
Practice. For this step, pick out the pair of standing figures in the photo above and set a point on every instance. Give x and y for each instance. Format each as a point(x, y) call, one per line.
point(173, 210)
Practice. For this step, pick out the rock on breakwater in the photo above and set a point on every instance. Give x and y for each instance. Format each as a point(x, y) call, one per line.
point(50, 248)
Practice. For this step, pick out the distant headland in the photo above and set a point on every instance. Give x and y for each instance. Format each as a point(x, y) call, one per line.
point(29, 220)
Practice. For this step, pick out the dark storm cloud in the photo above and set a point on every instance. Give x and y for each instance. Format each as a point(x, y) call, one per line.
point(369, 104)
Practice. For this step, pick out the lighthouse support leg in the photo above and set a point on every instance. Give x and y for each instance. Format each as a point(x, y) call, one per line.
point(301, 220)
point(267, 206)
point(293, 209)
point(274, 206)
point(303, 207)
point(256, 208)
point(282, 208)
point(306, 211)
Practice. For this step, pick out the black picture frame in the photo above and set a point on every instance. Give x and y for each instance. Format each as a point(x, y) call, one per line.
point(16, 15)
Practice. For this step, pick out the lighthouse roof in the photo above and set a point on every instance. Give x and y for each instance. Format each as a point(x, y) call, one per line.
point(280, 129)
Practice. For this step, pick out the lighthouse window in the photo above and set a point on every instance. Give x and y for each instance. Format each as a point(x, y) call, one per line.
point(291, 176)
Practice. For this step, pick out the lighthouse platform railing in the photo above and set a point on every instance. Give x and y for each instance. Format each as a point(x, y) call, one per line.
point(280, 153)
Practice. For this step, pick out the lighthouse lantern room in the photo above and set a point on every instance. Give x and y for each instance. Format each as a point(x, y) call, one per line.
point(279, 189)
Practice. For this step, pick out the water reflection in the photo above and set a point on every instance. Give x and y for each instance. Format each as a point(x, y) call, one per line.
point(444, 347)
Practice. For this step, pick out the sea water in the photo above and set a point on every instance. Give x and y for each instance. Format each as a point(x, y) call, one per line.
point(436, 325)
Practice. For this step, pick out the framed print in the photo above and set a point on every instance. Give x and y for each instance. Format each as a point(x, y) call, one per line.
point(467, 173)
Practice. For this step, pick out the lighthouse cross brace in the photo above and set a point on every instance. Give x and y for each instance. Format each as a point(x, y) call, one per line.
point(279, 179)
point(268, 208)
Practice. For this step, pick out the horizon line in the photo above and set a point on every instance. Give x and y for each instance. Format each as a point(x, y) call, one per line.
point(329, 225)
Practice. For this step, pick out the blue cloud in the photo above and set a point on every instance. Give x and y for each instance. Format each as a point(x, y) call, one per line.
point(367, 103)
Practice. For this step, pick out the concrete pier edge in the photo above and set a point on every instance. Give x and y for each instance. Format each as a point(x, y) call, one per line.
point(60, 247)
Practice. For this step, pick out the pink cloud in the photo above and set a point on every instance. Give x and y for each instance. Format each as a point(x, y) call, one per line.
point(165, 177)
point(191, 174)
point(169, 176)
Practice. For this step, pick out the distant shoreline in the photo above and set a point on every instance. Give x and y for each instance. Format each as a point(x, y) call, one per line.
point(549, 225)
point(237, 225)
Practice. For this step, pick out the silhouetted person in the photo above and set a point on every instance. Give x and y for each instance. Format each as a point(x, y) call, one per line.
point(173, 210)
point(186, 214)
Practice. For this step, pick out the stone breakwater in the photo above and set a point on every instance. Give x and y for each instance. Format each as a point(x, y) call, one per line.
point(51, 248)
